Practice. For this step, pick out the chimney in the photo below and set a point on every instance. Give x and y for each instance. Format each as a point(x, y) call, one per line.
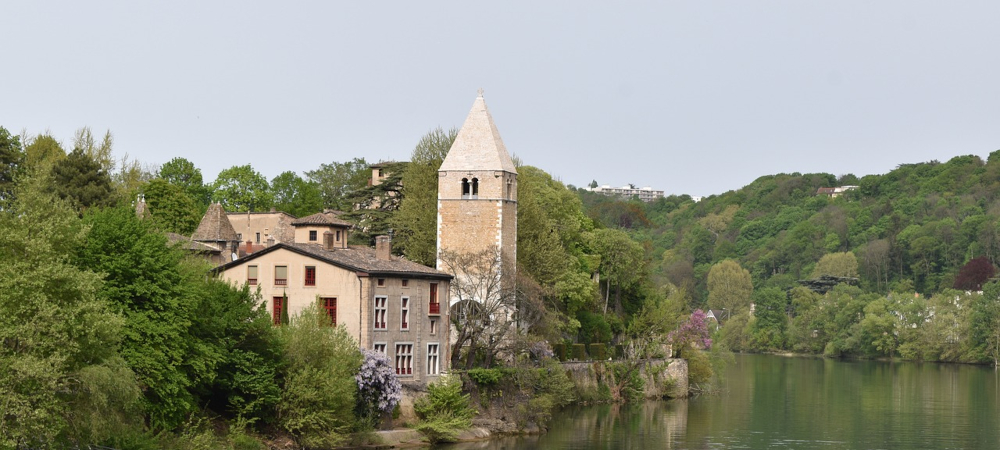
point(383, 248)
point(249, 246)
point(328, 240)
point(270, 241)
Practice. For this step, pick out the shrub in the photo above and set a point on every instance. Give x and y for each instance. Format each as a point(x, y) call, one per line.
point(379, 390)
point(580, 352)
point(485, 377)
point(598, 352)
point(317, 405)
point(444, 411)
point(560, 351)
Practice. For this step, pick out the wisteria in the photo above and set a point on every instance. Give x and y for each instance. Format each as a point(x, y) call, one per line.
point(693, 331)
point(379, 390)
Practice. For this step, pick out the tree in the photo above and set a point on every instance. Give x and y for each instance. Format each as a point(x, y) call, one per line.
point(593, 184)
point(12, 160)
point(241, 189)
point(485, 304)
point(171, 208)
point(82, 181)
point(101, 152)
point(974, 274)
point(182, 173)
point(729, 287)
point(337, 180)
point(61, 379)
point(843, 264)
point(318, 399)
point(622, 263)
point(770, 320)
point(416, 221)
point(296, 196)
point(42, 151)
point(375, 206)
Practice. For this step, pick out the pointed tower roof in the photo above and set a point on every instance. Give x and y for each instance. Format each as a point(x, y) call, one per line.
point(215, 226)
point(478, 145)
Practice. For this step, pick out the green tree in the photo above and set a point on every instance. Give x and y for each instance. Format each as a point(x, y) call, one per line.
point(61, 380)
point(336, 181)
point(375, 206)
point(42, 151)
point(416, 221)
point(296, 196)
point(317, 403)
point(146, 282)
point(729, 287)
point(622, 263)
point(241, 189)
point(12, 158)
point(101, 153)
point(183, 173)
point(171, 208)
point(82, 181)
point(770, 321)
point(843, 264)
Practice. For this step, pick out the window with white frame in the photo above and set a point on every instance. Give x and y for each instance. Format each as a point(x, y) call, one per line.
point(404, 359)
point(433, 362)
point(379, 347)
point(404, 313)
point(380, 311)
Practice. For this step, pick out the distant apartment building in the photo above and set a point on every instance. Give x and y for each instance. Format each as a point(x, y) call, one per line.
point(834, 191)
point(646, 194)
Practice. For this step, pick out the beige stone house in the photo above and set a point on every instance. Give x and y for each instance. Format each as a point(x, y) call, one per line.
point(387, 303)
point(256, 229)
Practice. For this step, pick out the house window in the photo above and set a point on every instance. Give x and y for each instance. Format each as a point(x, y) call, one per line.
point(239, 236)
point(310, 275)
point(433, 367)
point(404, 359)
point(277, 304)
point(433, 326)
point(258, 238)
point(381, 282)
point(381, 173)
point(435, 306)
point(404, 313)
point(406, 283)
point(380, 311)
point(330, 306)
point(379, 347)
point(281, 275)
point(312, 235)
point(252, 275)
point(338, 235)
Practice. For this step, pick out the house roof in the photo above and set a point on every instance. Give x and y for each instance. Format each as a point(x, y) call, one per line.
point(187, 244)
point(323, 218)
point(478, 145)
point(215, 226)
point(355, 258)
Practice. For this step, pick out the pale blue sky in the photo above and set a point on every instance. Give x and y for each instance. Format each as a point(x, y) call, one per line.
point(692, 97)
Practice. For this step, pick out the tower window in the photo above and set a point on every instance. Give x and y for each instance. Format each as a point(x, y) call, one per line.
point(465, 188)
point(475, 188)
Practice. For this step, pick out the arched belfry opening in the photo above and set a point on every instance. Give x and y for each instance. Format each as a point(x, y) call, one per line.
point(466, 188)
point(475, 188)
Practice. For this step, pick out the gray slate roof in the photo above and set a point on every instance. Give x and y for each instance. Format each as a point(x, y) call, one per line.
point(355, 258)
point(478, 145)
point(215, 226)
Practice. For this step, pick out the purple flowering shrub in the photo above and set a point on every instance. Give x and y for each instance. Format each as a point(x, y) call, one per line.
point(693, 331)
point(379, 390)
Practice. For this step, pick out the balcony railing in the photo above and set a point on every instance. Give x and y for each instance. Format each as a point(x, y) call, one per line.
point(281, 281)
point(434, 309)
point(252, 281)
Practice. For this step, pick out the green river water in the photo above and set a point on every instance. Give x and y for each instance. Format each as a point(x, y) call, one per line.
point(797, 403)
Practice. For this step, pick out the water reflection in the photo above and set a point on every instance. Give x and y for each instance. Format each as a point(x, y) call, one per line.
point(778, 402)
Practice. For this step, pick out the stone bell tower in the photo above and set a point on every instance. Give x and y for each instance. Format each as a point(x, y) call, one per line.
point(477, 190)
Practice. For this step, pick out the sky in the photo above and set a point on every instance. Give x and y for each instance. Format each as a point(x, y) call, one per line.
point(697, 97)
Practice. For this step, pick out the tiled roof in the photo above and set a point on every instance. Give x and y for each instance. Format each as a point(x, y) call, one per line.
point(323, 218)
point(356, 258)
point(187, 244)
point(478, 145)
point(215, 226)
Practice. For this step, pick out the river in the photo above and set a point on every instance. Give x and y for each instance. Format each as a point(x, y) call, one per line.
point(796, 403)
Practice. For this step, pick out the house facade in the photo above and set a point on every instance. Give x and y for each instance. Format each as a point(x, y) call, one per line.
point(385, 302)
